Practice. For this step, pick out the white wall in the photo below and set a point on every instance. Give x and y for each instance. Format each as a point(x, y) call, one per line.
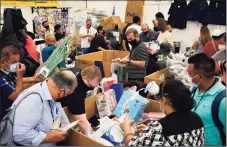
point(186, 36)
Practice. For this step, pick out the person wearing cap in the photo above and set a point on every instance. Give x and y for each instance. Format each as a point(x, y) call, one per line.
point(215, 44)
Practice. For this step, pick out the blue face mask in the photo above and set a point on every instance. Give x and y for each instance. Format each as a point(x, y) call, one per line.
point(12, 68)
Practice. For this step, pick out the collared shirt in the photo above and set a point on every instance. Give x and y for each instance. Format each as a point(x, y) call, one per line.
point(7, 87)
point(212, 136)
point(34, 117)
point(85, 43)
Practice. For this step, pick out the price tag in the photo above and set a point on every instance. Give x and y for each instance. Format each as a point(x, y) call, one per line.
point(44, 72)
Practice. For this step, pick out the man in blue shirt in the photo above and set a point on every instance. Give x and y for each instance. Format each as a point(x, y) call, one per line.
point(202, 70)
point(11, 77)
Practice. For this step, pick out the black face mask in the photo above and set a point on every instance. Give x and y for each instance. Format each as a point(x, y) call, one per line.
point(47, 27)
point(133, 42)
point(116, 27)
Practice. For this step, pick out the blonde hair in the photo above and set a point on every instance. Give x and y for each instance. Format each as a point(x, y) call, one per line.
point(205, 34)
point(49, 37)
point(91, 72)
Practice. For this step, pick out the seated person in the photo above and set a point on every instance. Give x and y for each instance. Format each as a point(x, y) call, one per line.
point(176, 127)
point(87, 80)
point(11, 77)
point(48, 50)
point(98, 43)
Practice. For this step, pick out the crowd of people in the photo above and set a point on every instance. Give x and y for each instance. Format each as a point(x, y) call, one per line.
point(191, 114)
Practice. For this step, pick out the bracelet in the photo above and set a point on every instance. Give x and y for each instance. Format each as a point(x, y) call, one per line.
point(127, 135)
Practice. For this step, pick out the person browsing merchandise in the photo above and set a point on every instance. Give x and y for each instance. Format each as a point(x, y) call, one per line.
point(176, 128)
point(86, 33)
point(98, 43)
point(138, 58)
point(114, 36)
point(11, 77)
point(206, 87)
point(147, 35)
point(40, 115)
point(59, 34)
point(87, 79)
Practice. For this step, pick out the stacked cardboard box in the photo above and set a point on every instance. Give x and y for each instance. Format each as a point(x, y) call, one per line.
point(134, 8)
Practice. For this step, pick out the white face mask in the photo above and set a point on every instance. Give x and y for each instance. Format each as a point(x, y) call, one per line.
point(12, 68)
point(221, 47)
point(194, 84)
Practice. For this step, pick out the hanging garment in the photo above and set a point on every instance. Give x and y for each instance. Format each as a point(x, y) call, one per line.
point(216, 13)
point(178, 14)
point(31, 48)
point(197, 9)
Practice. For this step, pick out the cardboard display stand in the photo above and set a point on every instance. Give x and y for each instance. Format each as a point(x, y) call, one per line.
point(78, 139)
point(135, 2)
point(105, 57)
point(107, 24)
point(133, 10)
point(156, 77)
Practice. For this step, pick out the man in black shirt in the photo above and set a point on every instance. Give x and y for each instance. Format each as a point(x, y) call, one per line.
point(114, 36)
point(87, 80)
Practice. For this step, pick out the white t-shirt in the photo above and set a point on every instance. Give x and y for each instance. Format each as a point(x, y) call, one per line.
point(85, 43)
point(135, 26)
point(165, 37)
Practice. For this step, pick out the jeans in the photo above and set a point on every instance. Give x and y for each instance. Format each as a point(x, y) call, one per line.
point(85, 50)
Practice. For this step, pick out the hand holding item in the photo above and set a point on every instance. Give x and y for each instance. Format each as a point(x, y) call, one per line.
point(124, 61)
point(141, 127)
point(20, 70)
point(58, 136)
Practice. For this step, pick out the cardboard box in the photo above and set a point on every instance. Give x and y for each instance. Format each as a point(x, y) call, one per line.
point(106, 57)
point(156, 77)
point(78, 139)
point(107, 24)
point(133, 10)
point(136, 2)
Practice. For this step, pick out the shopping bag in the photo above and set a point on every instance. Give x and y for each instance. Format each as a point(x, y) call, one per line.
point(106, 83)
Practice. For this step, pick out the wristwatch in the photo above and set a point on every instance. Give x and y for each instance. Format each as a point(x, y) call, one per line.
point(129, 62)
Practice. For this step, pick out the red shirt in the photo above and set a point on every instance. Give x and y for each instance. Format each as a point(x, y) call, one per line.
point(209, 48)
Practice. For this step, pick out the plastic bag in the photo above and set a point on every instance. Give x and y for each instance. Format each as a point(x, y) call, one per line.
point(106, 103)
point(106, 83)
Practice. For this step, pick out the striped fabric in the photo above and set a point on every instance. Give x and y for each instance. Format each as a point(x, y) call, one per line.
point(138, 53)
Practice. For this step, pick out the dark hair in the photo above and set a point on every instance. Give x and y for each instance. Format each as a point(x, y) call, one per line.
point(132, 30)
point(89, 19)
point(44, 22)
point(136, 19)
point(159, 15)
point(7, 52)
point(99, 28)
point(32, 35)
point(204, 64)
point(57, 27)
point(220, 36)
point(177, 94)
point(126, 27)
point(162, 25)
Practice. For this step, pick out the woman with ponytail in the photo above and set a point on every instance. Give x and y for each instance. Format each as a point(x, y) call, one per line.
point(203, 39)
point(180, 126)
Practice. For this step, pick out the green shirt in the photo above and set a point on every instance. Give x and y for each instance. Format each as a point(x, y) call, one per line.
point(212, 135)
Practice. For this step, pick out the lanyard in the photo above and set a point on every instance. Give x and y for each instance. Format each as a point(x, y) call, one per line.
point(203, 94)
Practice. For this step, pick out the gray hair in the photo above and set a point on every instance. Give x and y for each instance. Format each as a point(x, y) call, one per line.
point(65, 79)
point(132, 30)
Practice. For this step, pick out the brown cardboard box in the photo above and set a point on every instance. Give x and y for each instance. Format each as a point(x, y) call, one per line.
point(109, 21)
point(106, 57)
point(133, 10)
point(156, 77)
point(135, 2)
point(78, 139)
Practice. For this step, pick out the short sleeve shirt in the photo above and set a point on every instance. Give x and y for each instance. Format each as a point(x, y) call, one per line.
point(7, 87)
point(47, 51)
point(76, 101)
point(114, 37)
